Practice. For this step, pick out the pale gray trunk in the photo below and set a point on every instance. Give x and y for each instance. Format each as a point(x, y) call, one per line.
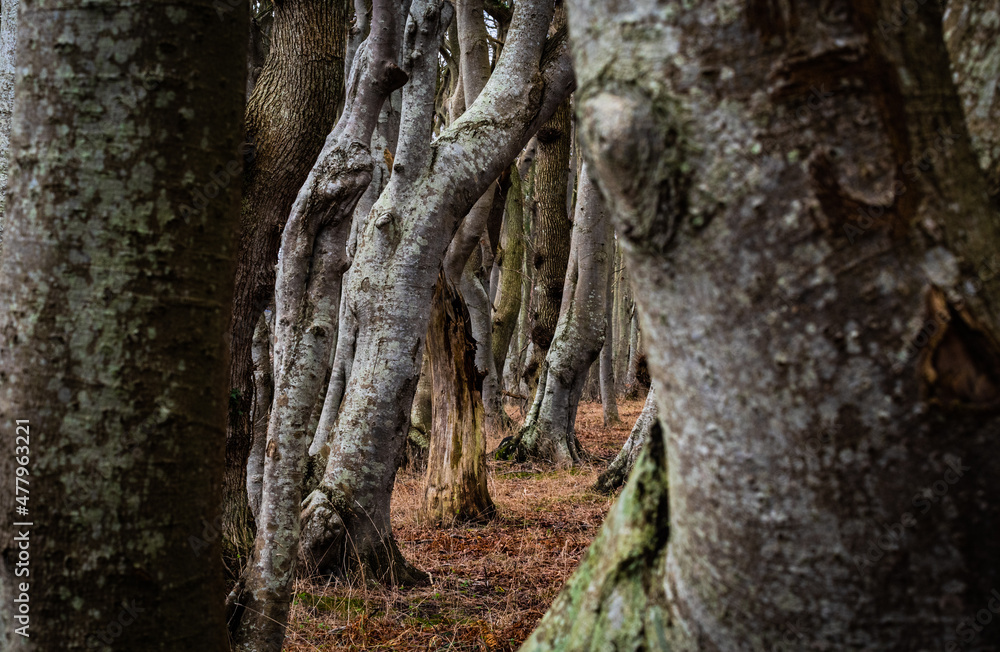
point(622, 318)
point(263, 377)
point(606, 366)
point(614, 476)
point(549, 433)
point(400, 254)
point(311, 264)
point(828, 381)
point(8, 44)
point(631, 384)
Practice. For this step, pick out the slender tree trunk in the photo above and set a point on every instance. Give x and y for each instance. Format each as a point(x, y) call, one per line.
point(510, 259)
point(624, 306)
point(290, 113)
point(400, 254)
point(618, 470)
point(263, 371)
point(456, 464)
point(631, 389)
point(551, 237)
point(606, 366)
point(550, 433)
point(418, 440)
point(311, 265)
point(842, 432)
point(116, 296)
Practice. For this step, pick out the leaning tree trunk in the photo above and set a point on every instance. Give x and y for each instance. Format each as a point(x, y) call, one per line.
point(614, 476)
point(400, 254)
point(116, 295)
point(311, 265)
point(8, 43)
point(860, 199)
point(456, 463)
point(290, 113)
point(549, 433)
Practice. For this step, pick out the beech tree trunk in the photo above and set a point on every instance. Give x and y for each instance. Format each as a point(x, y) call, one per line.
point(263, 379)
point(116, 292)
point(400, 253)
point(618, 470)
point(549, 433)
point(291, 111)
point(311, 264)
point(8, 44)
point(606, 366)
point(842, 430)
point(456, 463)
point(510, 259)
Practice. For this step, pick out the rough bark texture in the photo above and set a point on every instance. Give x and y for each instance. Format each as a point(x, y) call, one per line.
point(549, 434)
point(400, 253)
point(290, 113)
point(614, 476)
point(551, 236)
point(972, 34)
point(456, 463)
point(830, 447)
point(8, 44)
point(116, 296)
point(510, 259)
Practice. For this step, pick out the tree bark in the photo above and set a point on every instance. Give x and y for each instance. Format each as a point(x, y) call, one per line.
point(550, 434)
point(552, 234)
point(456, 463)
point(116, 296)
point(291, 111)
point(971, 34)
point(510, 259)
point(841, 432)
point(8, 44)
point(311, 265)
point(618, 470)
point(631, 389)
point(400, 254)
point(606, 366)
point(263, 371)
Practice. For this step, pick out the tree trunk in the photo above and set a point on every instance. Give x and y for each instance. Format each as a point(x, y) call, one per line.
point(510, 259)
point(631, 389)
point(551, 435)
point(606, 366)
point(400, 254)
point(418, 440)
point(8, 44)
point(456, 464)
point(972, 32)
point(311, 265)
point(614, 476)
point(290, 113)
point(263, 371)
point(116, 297)
point(551, 237)
point(624, 306)
point(829, 449)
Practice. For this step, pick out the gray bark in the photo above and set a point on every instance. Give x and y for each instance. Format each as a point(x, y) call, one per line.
point(263, 371)
point(8, 44)
point(883, 338)
point(400, 254)
point(606, 366)
point(618, 470)
point(549, 433)
point(116, 296)
point(311, 264)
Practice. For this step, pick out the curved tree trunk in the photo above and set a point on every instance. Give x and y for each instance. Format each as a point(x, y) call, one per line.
point(884, 335)
point(549, 433)
point(614, 476)
point(116, 295)
point(400, 254)
point(456, 464)
point(418, 440)
point(311, 265)
point(8, 44)
point(290, 113)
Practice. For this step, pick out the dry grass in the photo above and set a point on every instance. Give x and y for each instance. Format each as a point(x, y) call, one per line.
point(490, 583)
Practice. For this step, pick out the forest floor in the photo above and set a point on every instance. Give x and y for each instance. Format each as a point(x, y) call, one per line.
point(491, 583)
